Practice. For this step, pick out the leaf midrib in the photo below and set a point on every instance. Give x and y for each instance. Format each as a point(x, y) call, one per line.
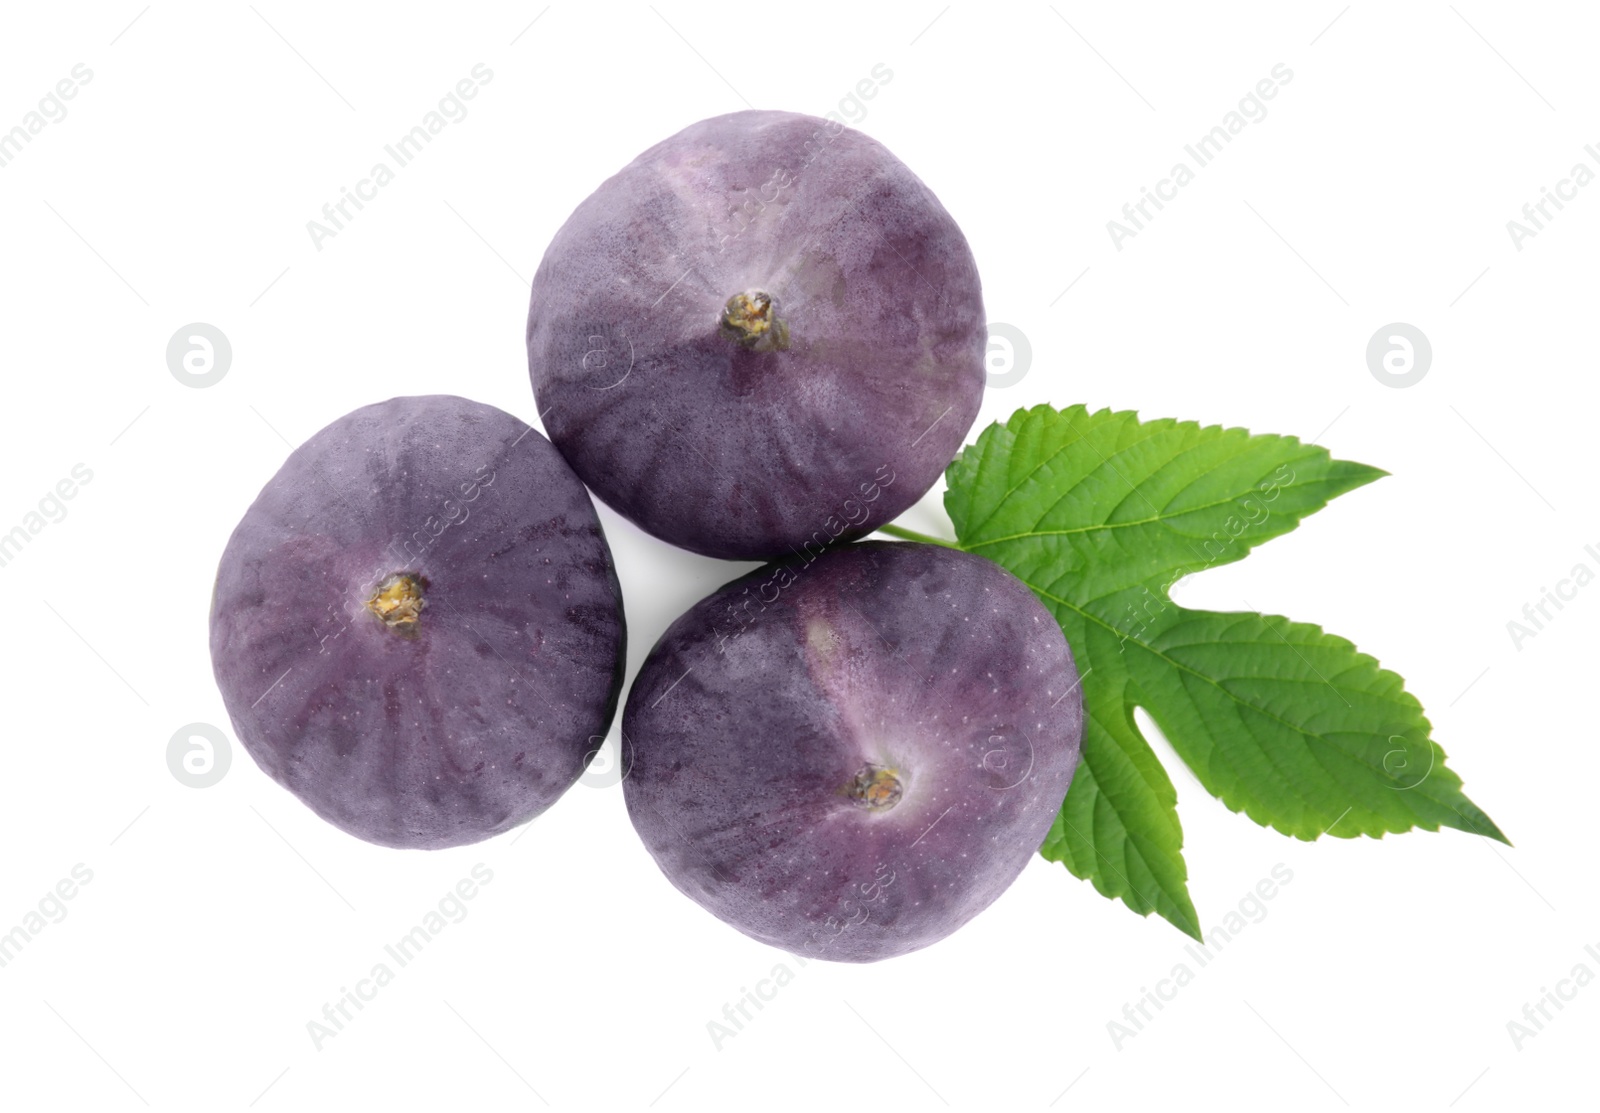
point(1161, 517)
point(1078, 438)
point(1180, 667)
point(1192, 441)
point(1126, 838)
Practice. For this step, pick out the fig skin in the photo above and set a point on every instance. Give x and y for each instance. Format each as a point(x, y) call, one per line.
point(851, 758)
point(735, 440)
point(478, 715)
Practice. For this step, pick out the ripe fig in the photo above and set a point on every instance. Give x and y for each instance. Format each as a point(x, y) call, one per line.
point(416, 626)
point(762, 335)
point(851, 757)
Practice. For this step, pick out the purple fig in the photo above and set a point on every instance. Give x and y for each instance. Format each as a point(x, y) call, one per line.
point(762, 335)
point(416, 626)
point(851, 757)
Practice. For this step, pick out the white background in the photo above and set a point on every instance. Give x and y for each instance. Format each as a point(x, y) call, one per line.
point(1377, 189)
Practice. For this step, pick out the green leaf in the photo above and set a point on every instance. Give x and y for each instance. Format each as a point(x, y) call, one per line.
point(1100, 514)
point(1119, 824)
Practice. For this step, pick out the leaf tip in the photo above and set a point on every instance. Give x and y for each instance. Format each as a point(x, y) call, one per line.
point(1475, 822)
point(1359, 475)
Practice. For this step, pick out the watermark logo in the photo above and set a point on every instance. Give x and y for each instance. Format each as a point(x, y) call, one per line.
point(1399, 355)
point(50, 509)
point(765, 991)
point(199, 355)
point(1538, 614)
point(1536, 214)
point(52, 110)
point(451, 109)
point(850, 109)
point(1250, 909)
point(450, 909)
point(1536, 1014)
point(51, 909)
point(605, 766)
point(1009, 355)
point(852, 513)
point(199, 755)
point(1251, 109)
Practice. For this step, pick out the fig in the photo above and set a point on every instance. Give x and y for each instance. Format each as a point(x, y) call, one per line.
point(763, 335)
point(850, 757)
point(416, 626)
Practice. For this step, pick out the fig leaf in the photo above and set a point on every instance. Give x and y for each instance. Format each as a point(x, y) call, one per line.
point(1100, 513)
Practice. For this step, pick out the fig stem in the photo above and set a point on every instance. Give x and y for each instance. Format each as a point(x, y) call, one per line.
point(875, 787)
point(912, 535)
point(750, 319)
point(398, 601)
